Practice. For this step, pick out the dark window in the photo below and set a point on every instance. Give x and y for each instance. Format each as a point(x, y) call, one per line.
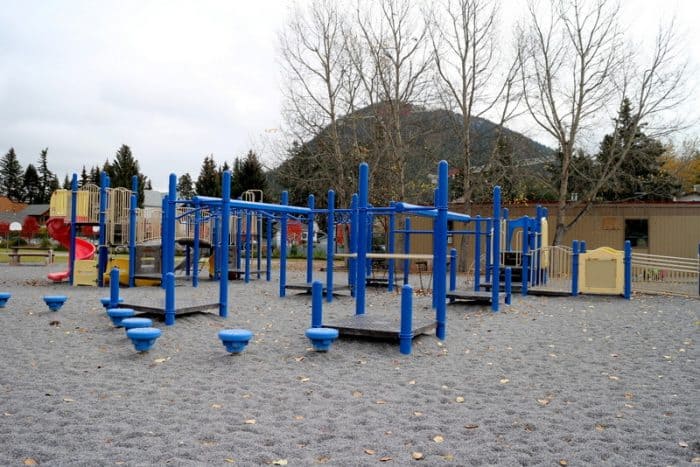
point(637, 232)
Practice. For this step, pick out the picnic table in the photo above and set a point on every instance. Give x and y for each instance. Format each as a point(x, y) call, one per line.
point(19, 253)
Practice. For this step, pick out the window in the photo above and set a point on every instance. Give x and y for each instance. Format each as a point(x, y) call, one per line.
point(637, 232)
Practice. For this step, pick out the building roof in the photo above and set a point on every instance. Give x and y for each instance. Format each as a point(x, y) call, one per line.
point(35, 210)
point(10, 217)
point(7, 205)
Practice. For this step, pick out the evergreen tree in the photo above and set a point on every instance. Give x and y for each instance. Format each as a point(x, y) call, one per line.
point(84, 178)
point(208, 183)
point(95, 175)
point(185, 189)
point(32, 186)
point(46, 178)
point(53, 185)
point(123, 169)
point(11, 179)
point(66, 183)
point(248, 175)
point(640, 175)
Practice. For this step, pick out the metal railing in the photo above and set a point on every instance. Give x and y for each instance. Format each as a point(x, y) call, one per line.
point(665, 274)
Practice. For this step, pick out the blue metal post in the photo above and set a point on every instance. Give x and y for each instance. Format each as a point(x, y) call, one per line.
point(391, 266)
point(197, 221)
point(283, 245)
point(525, 263)
point(453, 269)
point(258, 250)
point(317, 304)
point(440, 253)
point(216, 244)
point(628, 269)
point(164, 236)
point(406, 333)
point(406, 249)
point(310, 241)
point(360, 283)
point(239, 237)
point(114, 288)
point(352, 262)
point(102, 253)
point(132, 240)
point(169, 298)
point(268, 249)
point(509, 284)
point(574, 267)
point(73, 229)
point(330, 244)
point(172, 198)
point(477, 255)
point(225, 232)
point(582, 246)
point(488, 262)
point(496, 239)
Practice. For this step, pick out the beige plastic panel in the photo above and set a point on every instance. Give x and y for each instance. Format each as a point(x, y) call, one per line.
point(601, 271)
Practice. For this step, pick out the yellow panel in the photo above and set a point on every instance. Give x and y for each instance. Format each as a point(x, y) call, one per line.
point(601, 271)
point(85, 272)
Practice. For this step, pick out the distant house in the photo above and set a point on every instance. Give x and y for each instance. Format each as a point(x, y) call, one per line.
point(40, 212)
point(9, 206)
point(691, 195)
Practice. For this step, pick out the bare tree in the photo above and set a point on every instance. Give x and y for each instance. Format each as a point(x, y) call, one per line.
point(576, 70)
point(317, 67)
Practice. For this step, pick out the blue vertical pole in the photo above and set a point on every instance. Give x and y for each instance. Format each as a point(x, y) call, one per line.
point(496, 239)
point(488, 262)
point(164, 235)
point(525, 262)
point(310, 241)
point(370, 239)
point(352, 262)
point(283, 245)
point(440, 252)
point(225, 232)
point(317, 304)
point(477, 254)
point(258, 250)
point(391, 266)
point(114, 288)
point(216, 245)
point(239, 237)
point(248, 244)
point(268, 250)
point(330, 244)
point(132, 240)
point(628, 269)
point(172, 198)
point(103, 253)
point(406, 249)
point(197, 221)
point(360, 283)
point(582, 246)
point(73, 227)
point(169, 298)
point(406, 333)
point(453, 269)
point(574, 269)
point(509, 284)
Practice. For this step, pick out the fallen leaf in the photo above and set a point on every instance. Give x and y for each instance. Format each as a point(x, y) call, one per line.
point(504, 381)
point(385, 459)
point(413, 381)
point(30, 461)
point(418, 414)
point(438, 439)
point(380, 402)
point(216, 406)
point(229, 460)
point(299, 359)
point(471, 426)
point(600, 427)
point(303, 379)
point(629, 396)
point(448, 457)
point(416, 455)
point(563, 462)
point(614, 378)
point(280, 462)
point(322, 459)
point(357, 394)
point(160, 360)
point(370, 452)
point(68, 399)
point(250, 421)
point(683, 444)
point(543, 402)
point(459, 399)
point(298, 417)
point(695, 460)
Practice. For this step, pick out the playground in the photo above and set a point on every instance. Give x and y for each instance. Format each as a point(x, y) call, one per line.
point(586, 380)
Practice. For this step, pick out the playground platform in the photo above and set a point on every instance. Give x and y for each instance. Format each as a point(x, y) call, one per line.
point(378, 327)
point(479, 297)
point(183, 308)
point(305, 287)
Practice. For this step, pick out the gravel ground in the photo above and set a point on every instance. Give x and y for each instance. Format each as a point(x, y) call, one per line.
point(591, 380)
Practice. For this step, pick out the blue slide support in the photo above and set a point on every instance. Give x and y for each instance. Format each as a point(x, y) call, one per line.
point(310, 241)
point(283, 245)
point(496, 239)
point(440, 253)
point(406, 332)
point(360, 282)
point(225, 233)
point(330, 245)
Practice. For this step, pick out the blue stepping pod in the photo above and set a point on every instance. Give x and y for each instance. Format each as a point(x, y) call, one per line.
point(55, 302)
point(322, 338)
point(118, 314)
point(4, 297)
point(106, 300)
point(143, 338)
point(133, 323)
point(235, 340)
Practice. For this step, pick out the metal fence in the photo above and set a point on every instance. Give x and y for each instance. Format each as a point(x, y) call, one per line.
point(665, 274)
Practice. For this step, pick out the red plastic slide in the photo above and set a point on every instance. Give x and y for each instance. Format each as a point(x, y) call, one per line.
point(60, 231)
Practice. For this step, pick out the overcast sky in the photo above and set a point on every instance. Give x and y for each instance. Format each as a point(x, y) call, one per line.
point(175, 80)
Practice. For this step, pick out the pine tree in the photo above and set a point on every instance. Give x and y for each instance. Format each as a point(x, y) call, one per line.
point(640, 175)
point(248, 175)
point(11, 179)
point(208, 183)
point(32, 186)
point(123, 169)
point(66, 183)
point(95, 175)
point(185, 190)
point(84, 178)
point(46, 177)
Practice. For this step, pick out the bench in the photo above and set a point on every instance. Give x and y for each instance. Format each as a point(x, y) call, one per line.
point(16, 256)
